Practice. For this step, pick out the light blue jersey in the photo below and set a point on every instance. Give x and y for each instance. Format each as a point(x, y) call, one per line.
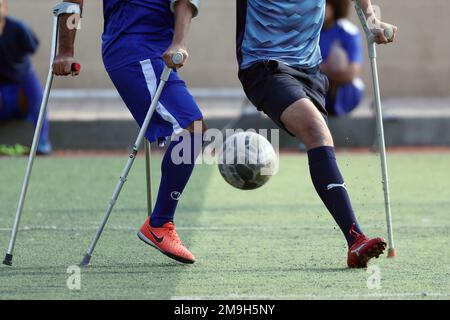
point(283, 30)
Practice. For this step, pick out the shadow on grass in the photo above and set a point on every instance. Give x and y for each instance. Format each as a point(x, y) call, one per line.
point(165, 276)
point(134, 273)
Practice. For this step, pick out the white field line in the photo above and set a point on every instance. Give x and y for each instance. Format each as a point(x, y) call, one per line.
point(208, 228)
point(317, 296)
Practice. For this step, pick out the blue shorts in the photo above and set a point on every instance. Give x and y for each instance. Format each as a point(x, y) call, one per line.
point(9, 102)
point(137, 84)
point(29, 93)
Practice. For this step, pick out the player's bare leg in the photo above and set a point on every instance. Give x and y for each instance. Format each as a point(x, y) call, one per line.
point(305, 121)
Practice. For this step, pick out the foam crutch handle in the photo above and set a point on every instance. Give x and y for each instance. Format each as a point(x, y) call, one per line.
point(76, 67)
point(178, 58)
point(389, 33)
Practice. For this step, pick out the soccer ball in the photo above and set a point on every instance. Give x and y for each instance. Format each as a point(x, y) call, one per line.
point(247, 160)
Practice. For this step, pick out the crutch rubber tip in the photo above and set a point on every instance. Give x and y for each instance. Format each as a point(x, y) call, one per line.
point(8, 260)
point(86, 260)
point(392, 253)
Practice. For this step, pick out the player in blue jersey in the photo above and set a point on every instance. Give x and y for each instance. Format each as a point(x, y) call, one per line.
point(279, 57)
point(20, 88)
point(340, 45)
point(140, 37)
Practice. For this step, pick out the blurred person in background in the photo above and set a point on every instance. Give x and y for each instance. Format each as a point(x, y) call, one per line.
point(340, 44)
point(20, 87)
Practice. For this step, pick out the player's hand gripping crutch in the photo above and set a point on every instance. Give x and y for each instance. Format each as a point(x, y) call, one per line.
point(389, 33)
point(60, 9)
point(177, 59)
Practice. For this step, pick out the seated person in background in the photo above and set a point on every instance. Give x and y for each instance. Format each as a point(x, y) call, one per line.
point(20, 88)
point(340, 44)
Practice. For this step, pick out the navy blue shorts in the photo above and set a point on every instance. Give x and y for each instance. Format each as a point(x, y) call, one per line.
point(273, 86)
point(137, 84)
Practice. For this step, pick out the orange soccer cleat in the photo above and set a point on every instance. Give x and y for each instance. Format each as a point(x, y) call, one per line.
point(166, 240)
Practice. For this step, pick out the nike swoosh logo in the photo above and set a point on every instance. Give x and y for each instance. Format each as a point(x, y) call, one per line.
point(159, 240)
point(336, 185)
point(175, 195)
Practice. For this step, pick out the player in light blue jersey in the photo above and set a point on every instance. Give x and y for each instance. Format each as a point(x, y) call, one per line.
point(139, 38)
point(279, 56)
point(287, 31)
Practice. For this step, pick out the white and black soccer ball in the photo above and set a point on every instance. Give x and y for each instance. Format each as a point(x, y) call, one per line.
point(247, 160)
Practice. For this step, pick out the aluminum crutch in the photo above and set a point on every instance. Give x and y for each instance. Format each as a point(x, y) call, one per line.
point(389, 33)
point(60, 9)
point(176, 59)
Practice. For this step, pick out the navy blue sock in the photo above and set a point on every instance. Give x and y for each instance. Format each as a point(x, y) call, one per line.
point(174, 177)
point(331, 188)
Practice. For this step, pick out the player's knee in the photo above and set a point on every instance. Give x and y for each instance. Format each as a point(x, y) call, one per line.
point(307, 124)
point(316, 135)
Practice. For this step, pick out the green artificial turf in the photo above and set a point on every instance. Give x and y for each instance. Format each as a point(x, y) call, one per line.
point(277, 242)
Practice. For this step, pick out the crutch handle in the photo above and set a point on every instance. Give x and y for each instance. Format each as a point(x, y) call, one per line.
point(178, 58)
point(389, 33)
point(76, 67)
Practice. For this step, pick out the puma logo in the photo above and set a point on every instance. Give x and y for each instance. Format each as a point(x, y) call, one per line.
point(336, 185)
point(357, 250)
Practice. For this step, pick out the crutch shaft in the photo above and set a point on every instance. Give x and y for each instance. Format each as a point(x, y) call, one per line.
point(118, 188)
point(148, 174)
point(383, 157)
point(389, 33)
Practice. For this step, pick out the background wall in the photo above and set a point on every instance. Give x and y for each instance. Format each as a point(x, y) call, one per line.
point(417, 66)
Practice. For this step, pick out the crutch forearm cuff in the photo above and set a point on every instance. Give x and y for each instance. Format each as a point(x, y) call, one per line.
point(195, 3)
point(67, 8)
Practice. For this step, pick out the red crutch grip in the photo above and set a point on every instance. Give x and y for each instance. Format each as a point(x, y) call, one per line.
point(76, 67)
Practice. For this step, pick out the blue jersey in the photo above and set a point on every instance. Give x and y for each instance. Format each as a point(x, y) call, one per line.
point(346, 35)
point(17, 43)
point(283, 30)
point(135, 30)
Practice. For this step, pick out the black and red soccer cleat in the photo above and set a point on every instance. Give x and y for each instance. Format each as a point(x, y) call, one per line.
point(364, 249)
